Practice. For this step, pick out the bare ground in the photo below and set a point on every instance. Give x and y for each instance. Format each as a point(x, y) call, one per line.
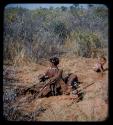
point(92, 107)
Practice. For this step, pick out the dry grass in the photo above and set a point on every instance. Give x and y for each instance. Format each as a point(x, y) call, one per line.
point(61, 108)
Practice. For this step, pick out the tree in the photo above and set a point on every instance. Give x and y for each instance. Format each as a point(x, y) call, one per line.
point(90, 6)
point(76, 6)
point(63, 8)
point(51, 8)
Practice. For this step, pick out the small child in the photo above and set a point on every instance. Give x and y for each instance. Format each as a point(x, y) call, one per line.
point(99, 65)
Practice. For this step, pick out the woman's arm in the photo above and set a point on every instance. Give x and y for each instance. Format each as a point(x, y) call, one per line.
point(43, 77)
point(53, 79)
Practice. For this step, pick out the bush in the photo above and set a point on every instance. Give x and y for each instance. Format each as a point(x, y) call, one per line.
point(83, 43)
point(59, 29)
point(33, 34)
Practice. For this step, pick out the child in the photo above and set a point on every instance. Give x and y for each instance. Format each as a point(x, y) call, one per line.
point(99, 65)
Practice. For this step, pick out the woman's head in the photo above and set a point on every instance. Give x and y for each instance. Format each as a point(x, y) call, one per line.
point(54, 60)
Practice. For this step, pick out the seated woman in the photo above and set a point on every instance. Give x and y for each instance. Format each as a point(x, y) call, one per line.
point(53, 73)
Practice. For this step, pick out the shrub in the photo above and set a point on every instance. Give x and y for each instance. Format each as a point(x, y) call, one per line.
point(34, 34)
point(83, 43)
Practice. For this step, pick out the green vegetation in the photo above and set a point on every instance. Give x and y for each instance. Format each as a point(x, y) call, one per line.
point(33, 34)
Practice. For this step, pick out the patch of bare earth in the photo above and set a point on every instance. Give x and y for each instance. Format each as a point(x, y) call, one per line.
point(58, 108)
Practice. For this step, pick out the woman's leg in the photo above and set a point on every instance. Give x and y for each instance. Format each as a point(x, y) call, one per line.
point(71, 79)
point(55, 90)
point(52, 89)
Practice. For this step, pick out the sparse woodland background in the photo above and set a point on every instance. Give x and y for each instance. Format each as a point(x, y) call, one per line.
point(33, 34)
